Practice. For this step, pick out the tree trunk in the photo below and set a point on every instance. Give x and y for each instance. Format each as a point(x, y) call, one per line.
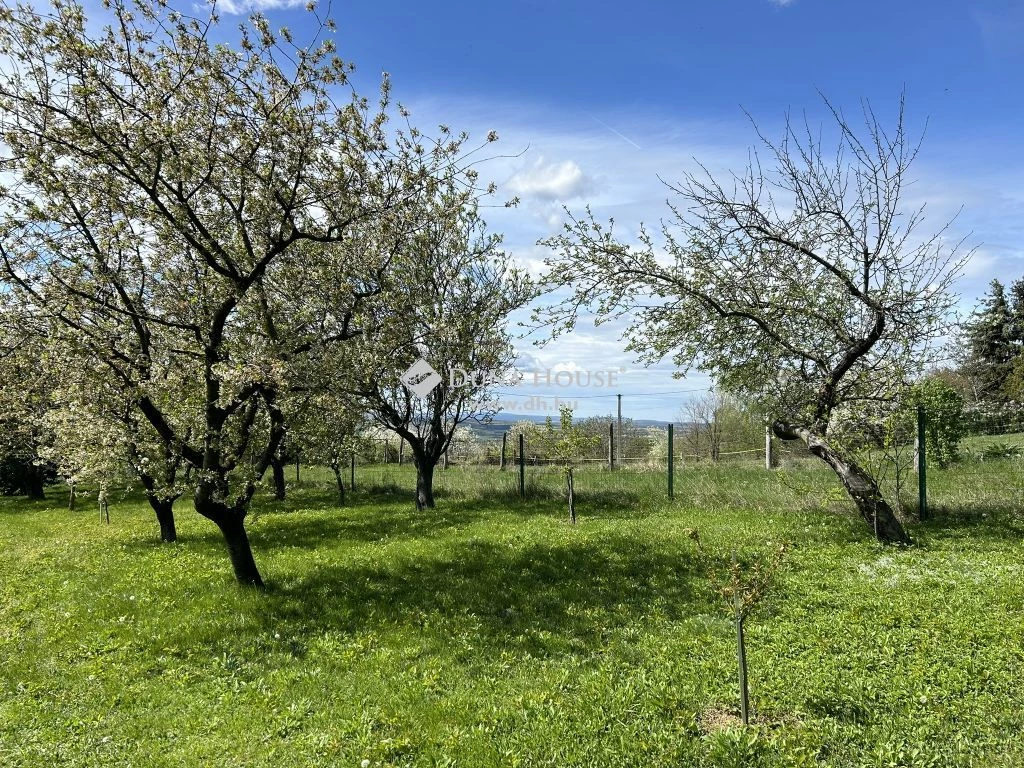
point(34, 483)
point(277, 464)
point(572, 497)
point(424, 483)
point(164, 509)
point(232, 525)
point(341, 483)
point(858, 483)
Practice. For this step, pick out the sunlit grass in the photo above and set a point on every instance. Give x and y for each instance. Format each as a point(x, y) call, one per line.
point(491, 632)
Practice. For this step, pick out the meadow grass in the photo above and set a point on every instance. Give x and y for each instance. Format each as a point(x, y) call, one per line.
point(490, 632)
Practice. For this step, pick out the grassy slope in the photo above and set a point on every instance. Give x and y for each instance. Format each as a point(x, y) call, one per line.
point(489, 632)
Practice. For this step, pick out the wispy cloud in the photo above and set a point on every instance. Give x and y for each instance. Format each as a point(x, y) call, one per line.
point(240, 7)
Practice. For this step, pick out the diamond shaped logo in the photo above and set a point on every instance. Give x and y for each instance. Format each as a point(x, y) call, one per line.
point(421, 378)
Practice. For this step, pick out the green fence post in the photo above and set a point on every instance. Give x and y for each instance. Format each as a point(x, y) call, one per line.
point(671, 461)
point(352, 472)
point(522, 466)
point(922, 463)
point(611, 446)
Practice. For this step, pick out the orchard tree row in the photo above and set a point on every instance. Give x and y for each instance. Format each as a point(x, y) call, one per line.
point(214, 250)
point(209, 245)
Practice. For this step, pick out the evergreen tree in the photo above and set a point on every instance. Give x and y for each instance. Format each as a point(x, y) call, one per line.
point(989, 343)
point(1016, 332)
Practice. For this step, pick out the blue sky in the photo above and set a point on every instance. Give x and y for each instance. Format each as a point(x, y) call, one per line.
point(600, 98)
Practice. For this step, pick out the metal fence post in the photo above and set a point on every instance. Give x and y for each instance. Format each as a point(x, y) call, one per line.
point(522, 466)
point(671, 461)
point(611, 446)
point(922, 463)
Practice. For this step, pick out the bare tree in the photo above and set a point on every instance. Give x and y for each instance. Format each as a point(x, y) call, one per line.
point(799, 284)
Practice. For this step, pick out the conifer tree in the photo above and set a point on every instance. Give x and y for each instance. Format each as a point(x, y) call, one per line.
point(989, 346)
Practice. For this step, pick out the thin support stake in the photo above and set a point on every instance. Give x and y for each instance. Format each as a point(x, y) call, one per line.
point(741, 656)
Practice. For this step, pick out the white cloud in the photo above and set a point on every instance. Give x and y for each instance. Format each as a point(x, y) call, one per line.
point(240, 7)
point(551, 181)
point(622, 181)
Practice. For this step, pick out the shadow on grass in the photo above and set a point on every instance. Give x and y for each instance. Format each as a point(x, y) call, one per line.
point(979, 520)
point(378, 513)
point(19, 505)
point(311, 521)
point(540, 598)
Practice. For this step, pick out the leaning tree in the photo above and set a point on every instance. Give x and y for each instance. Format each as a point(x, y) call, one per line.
point(165, 185)
point(801, 284)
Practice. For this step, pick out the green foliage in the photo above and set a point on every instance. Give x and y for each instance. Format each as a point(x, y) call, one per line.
point(569, 443)
point(1013, 388)
point(18, 474)
point(745, 584)
point(944, 418)
point(998, 450)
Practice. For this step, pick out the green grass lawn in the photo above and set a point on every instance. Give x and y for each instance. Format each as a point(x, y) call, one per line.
point(490, 632)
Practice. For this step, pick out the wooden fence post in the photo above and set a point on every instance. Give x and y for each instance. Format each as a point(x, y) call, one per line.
point(504, 441)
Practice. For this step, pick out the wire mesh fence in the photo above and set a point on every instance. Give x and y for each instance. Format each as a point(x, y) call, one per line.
point(986, 469)
point(978, 457)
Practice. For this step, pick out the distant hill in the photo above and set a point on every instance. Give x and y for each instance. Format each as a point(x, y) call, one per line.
point(505, 420)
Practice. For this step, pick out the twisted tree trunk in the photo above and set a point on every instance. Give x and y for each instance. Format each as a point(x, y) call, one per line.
point(859, 484)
